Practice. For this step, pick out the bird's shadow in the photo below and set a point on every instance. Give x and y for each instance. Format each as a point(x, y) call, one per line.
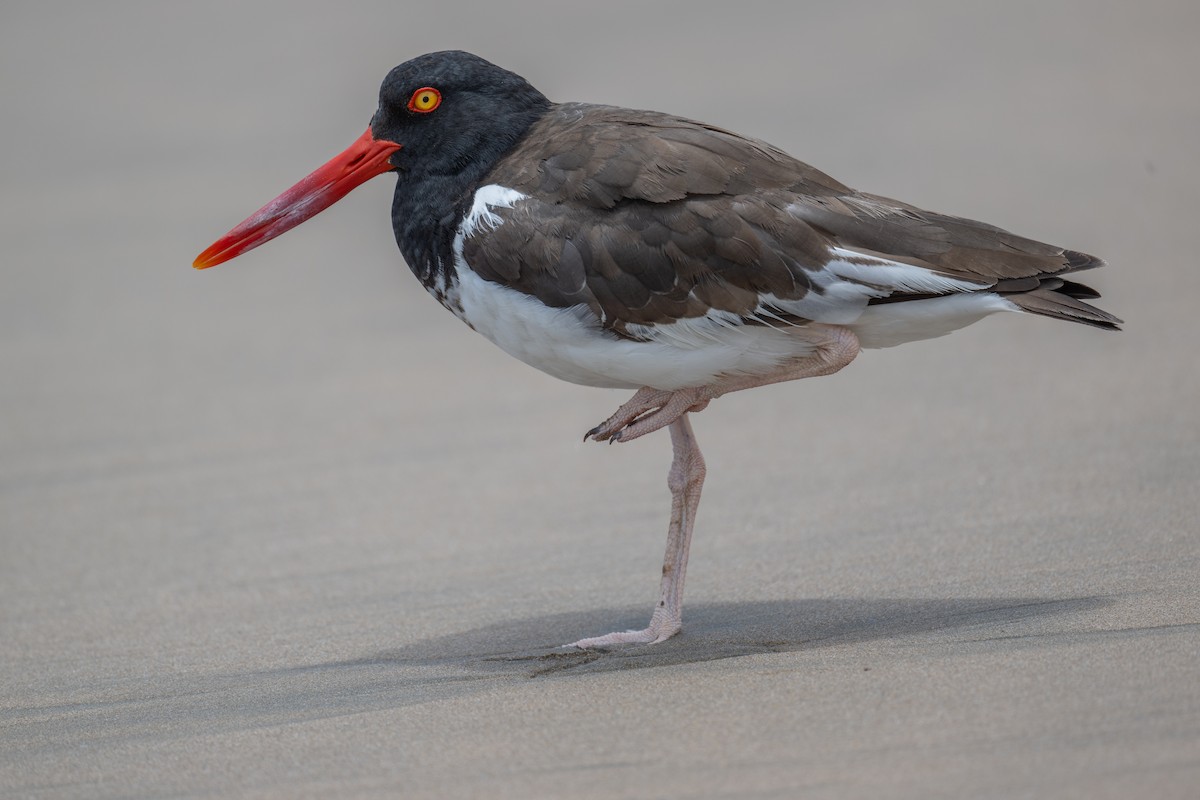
point(491, 657)
point(716, 631)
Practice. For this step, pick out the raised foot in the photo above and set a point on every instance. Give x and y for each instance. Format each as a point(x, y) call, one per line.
point(647, 411)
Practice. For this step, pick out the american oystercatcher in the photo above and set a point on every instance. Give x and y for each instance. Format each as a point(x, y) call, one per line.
point(634, 249)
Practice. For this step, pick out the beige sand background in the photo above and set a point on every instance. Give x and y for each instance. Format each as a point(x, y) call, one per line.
point(288, 529)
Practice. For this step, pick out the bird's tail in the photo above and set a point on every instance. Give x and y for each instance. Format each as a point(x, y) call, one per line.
point(1052, 296)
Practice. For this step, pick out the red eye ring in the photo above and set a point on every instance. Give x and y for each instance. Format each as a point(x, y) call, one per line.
point(424, 100)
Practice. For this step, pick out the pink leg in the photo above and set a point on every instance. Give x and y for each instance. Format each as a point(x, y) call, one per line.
point(650, 409)
point(685, 480)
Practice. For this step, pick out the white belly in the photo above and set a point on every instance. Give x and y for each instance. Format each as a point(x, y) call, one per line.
point(569, 344)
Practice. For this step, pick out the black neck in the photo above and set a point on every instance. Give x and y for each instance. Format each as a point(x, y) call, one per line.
point(428, 207)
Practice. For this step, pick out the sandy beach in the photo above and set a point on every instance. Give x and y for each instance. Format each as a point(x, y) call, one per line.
point(287, 529)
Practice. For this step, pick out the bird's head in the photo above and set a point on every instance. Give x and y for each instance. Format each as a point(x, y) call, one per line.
point(440, 114)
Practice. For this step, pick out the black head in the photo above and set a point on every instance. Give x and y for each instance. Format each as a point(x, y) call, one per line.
point(451, 111)
point(444, 119)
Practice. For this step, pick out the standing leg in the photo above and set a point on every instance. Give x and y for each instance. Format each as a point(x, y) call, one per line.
point(685, 479)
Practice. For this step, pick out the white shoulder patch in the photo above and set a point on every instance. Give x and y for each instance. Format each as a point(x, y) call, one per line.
point(481, 217)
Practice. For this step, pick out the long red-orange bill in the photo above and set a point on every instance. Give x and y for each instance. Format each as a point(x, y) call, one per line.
point(358, 163)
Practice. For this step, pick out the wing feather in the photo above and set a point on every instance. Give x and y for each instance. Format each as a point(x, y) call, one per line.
point(648, 219)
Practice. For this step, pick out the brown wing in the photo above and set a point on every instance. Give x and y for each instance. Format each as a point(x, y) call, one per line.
point(648, 264)
point(1023, 270)
point(599, 156)
point(647, 218)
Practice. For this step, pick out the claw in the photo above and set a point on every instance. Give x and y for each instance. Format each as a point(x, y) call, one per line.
point(646, 411)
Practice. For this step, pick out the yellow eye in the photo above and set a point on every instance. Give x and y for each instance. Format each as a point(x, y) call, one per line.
point(424, 100)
